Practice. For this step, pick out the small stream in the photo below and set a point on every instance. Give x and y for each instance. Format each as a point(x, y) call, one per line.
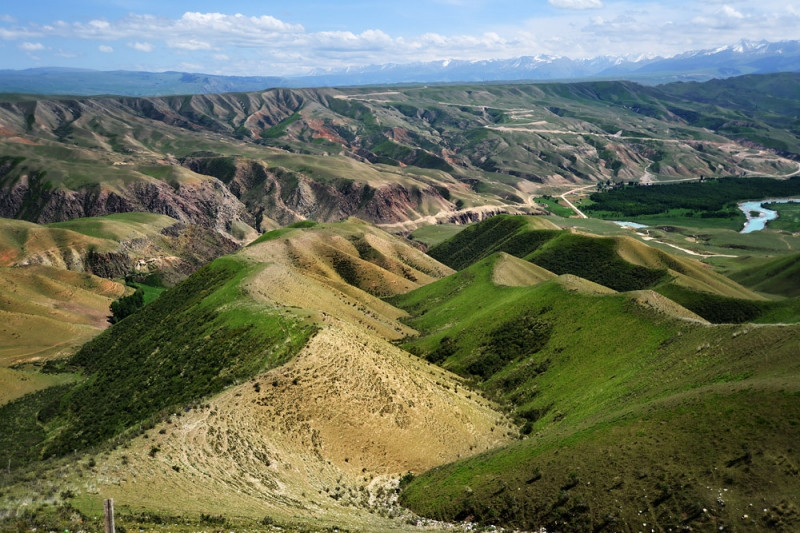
point(758, 223)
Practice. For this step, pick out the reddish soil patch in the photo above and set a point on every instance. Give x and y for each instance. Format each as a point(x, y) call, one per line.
point(321, 132)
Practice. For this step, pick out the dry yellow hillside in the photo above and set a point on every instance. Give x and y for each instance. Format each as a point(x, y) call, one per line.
point(661, 304)
point(686, 272)
point(46, 312)
point(515, 272)
point(317, 440)
point(581, 285)
point(25, 242)
point(341, 270)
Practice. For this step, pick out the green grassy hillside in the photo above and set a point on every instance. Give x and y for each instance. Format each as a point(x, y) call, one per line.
point(619, 263)
point(191, 342)
point(779, 276)
point(636, 412)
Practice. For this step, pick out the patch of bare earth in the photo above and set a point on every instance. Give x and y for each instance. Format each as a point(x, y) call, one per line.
point(322, 440)
point(515, 272)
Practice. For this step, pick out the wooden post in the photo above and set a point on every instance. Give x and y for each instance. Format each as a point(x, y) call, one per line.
point(109, 510)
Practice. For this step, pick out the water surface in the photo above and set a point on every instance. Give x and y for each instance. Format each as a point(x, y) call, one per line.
point(759, 222)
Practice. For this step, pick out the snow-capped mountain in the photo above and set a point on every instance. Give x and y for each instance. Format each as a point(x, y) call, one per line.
point(744, 57)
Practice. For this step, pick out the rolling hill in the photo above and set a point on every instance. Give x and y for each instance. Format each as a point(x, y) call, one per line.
point(637, 410)
point(297, 382)
point(401, 157)
point(297, 405)
point(310, 368)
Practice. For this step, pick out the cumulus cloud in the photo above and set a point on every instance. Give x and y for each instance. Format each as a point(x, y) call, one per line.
point(241, 44)
point(142, 47)
point(191, 44)
point(728, 11)
point(31, 47)
point(576, 4)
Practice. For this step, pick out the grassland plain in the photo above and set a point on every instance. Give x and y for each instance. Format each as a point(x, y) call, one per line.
point(788, 217)
point(707, 204)
point(637, 411)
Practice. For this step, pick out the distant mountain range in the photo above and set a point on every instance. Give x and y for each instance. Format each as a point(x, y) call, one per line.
point(744, 57)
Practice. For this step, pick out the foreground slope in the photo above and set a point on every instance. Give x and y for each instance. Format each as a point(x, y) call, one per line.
point(636, 411)
point(265, 384)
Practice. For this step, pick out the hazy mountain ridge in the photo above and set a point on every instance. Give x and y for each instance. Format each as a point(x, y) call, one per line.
point(745, 57)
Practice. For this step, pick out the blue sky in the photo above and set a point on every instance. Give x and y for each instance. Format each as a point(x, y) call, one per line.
point(304, 36)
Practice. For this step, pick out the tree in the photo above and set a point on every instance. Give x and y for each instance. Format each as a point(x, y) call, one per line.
point(127, 305)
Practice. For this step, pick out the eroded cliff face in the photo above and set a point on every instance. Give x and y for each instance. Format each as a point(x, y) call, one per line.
point(172, 255)
point(205, 202)
point(280, 196)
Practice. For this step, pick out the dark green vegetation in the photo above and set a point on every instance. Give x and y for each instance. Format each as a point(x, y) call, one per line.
point(127, 305)
point(21, 432)
point(634, 415)
point(194, 340)
point(710, 199)
point(594, 259)
point(599, 260)
point(503, 233)
point(561, 252)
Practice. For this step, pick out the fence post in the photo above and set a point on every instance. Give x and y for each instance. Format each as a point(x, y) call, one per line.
point(108, 506)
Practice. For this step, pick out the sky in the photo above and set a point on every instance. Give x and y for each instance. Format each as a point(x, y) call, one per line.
point(298, 37)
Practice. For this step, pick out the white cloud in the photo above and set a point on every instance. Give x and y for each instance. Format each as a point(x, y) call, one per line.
point(142, 47)
point(264, 44)
point(7, 18)
point(576, 4)
point(31, 47)
point(728, 11)
point(191, 44)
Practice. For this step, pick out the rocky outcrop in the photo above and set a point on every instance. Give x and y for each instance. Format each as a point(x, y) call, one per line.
point(284, 196)
point(206, 202)
point(172, 256)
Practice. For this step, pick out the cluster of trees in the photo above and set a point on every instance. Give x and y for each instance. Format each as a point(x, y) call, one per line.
point(127, 305)
point(709, 197)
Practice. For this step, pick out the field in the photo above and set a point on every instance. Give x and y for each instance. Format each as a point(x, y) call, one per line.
point(788, 217)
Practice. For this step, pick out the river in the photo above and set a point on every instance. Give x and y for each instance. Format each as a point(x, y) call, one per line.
point(757, 223)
